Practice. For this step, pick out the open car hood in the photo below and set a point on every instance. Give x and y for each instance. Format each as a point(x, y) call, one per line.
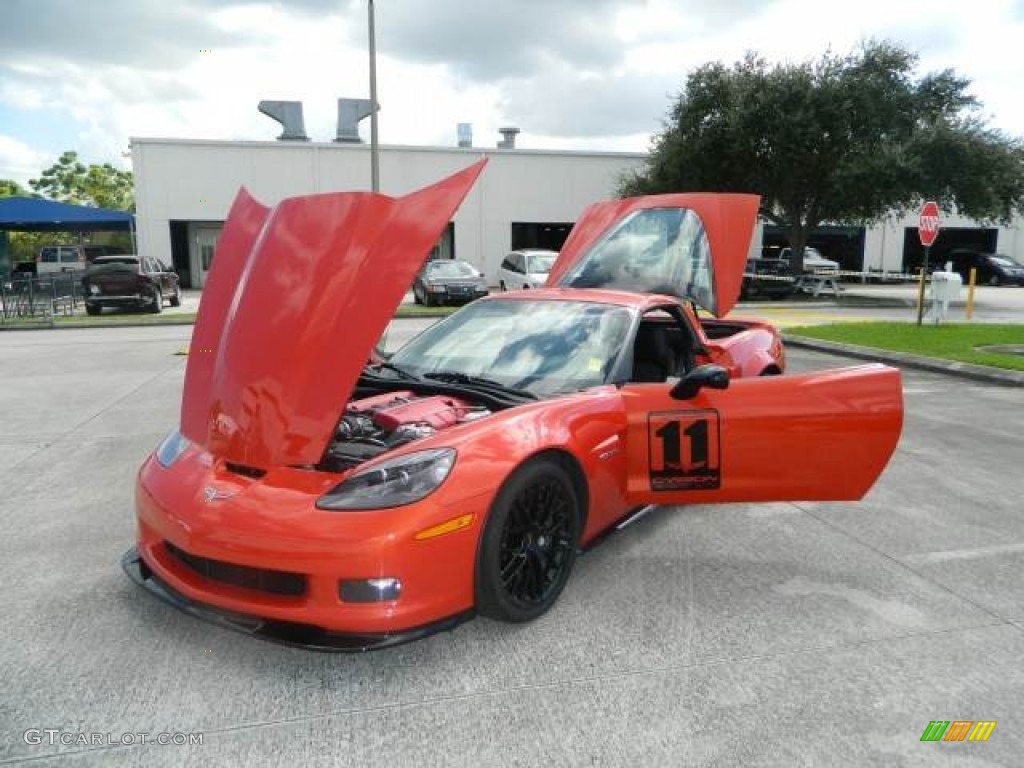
point(691, 245)
point(295, 302)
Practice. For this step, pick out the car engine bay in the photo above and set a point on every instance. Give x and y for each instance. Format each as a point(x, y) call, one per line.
point(374, 425)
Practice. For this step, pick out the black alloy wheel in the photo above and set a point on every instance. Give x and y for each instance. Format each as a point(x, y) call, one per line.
point(529, 543)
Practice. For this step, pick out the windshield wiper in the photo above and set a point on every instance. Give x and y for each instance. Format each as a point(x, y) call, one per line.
point(392, 367)
point(455, 377)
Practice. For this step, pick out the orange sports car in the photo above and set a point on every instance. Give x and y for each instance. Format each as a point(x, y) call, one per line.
point(313, 498)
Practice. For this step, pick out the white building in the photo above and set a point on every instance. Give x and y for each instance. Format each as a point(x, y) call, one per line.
point(524, 198)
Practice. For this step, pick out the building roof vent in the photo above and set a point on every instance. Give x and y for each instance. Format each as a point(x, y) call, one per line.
point(289, 115)
point(509, 140)
point(350, 112)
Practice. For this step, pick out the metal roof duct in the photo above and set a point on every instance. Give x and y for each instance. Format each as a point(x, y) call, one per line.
point(509, 142)
point(289, 115)
point(350, 112)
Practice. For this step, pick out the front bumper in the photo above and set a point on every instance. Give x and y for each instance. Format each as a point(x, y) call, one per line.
point(288, 633)
point(268, 554)
point(454, 297)
point(102, 300)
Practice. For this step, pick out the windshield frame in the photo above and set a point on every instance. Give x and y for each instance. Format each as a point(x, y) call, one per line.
point(621, 360)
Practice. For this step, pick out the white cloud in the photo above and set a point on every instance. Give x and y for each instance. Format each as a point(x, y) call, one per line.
point(19, 161)
point(570, 73)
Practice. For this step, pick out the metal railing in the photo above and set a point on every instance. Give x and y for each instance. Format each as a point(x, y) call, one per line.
point(24, 296)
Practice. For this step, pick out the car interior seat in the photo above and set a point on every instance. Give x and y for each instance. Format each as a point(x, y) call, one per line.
point(654, 358)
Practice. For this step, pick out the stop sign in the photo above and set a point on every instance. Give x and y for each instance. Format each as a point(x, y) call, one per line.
point(928, 223)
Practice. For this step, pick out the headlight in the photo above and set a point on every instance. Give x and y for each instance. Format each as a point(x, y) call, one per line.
point(171, 448)
point(392, 483)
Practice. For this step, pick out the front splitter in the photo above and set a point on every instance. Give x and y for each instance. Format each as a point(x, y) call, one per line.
point(288, 633)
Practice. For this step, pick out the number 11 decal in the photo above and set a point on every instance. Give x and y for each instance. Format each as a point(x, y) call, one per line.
point(684, 450)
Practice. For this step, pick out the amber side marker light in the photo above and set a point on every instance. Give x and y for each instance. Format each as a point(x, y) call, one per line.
point(448, 526)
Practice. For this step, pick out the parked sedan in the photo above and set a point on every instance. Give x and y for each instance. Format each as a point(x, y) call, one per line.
point(125, 280)
point(447, 281)
point(991, 268)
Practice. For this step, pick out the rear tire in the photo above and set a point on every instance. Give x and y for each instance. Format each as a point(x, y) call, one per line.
point(175, 300)
point(93, 309)
point(528, 545)
point(994, 280)
point(158, 302)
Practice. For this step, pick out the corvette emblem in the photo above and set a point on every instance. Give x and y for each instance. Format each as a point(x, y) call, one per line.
point(212, 494)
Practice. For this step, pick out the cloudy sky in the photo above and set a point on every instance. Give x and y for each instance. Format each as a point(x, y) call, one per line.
point(594, 74)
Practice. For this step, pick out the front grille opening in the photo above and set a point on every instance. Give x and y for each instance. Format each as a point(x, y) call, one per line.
point(259, 579)
point(244, 471)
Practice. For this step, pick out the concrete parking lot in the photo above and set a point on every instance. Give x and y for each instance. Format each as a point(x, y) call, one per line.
point(804, 634)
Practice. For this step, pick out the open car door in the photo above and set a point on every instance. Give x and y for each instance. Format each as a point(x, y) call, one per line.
point(692, 245)
point(823, 436)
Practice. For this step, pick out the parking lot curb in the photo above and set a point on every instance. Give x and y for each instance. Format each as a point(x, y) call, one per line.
point(984, 373)
point(78, 326)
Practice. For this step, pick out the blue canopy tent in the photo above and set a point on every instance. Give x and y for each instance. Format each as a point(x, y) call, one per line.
point(31, 214)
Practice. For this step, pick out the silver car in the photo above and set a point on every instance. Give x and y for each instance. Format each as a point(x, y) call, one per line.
point(526, 268)
point(448, 281)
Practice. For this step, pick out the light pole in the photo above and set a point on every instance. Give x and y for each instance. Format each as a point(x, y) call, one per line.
point(374, 148)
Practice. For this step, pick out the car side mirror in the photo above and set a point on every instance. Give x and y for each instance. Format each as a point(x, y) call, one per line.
point(710, 375)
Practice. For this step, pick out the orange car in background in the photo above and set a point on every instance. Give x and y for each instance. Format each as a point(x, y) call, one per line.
point(315, 499)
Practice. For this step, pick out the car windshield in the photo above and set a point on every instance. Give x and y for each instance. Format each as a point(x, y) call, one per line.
point(1003, 261)
point(448, 268)
point(540, 263)
point(544, 347)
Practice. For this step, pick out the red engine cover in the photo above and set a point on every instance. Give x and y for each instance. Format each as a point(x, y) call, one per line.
point(437, 411)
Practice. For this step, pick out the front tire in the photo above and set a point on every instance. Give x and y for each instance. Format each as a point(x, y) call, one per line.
point(93, 309)
point(158, 302)
point(175, 300)
point(529, 542)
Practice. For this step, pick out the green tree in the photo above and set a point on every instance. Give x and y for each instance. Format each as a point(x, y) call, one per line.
point(71, 181)
point(11, 188)
point(844, 139)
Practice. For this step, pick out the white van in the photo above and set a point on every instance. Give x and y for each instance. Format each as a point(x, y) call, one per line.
point(69, 258)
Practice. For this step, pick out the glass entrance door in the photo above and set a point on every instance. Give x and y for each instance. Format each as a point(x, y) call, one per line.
point(206, 244)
